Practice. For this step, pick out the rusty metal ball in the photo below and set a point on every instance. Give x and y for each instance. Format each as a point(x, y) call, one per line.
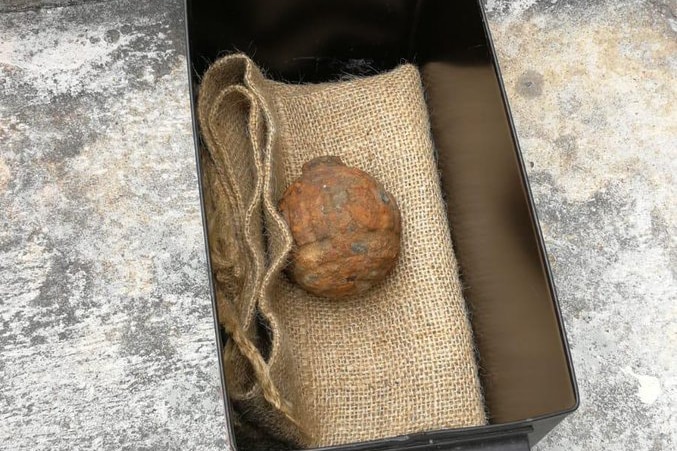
point(346, 228)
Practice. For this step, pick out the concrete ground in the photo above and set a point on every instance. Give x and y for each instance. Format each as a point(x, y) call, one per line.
point(106, 340)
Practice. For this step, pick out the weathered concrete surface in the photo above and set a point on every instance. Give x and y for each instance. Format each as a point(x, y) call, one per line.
point(25, 5)
point(106, 335)
point(106, 339)
point(593, 93)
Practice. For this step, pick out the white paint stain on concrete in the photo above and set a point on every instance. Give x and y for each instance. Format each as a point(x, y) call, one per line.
point(649, 387)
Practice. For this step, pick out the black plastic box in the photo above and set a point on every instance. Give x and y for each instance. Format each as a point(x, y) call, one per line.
point(525, 366)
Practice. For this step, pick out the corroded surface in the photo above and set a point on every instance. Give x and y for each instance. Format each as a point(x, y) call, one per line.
point(346, 228)
point(106, 332)
point(593, 95)
point(100, 237)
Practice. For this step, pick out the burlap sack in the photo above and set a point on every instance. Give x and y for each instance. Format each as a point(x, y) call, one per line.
point(307, 370)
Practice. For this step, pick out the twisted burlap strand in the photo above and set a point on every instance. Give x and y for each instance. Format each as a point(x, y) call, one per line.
point(398, 359)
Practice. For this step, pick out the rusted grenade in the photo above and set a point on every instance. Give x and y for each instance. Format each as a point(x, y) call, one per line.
point(346, 228)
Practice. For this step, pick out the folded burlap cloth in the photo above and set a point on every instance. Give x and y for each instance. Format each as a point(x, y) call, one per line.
point(312, 371)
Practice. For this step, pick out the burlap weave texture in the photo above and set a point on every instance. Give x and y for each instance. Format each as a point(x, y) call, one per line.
point(396, 360)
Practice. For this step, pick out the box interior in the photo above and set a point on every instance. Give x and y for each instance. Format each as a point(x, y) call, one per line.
point(523, 358)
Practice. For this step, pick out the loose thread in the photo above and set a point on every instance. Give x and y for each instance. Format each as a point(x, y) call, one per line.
point(261, 370)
